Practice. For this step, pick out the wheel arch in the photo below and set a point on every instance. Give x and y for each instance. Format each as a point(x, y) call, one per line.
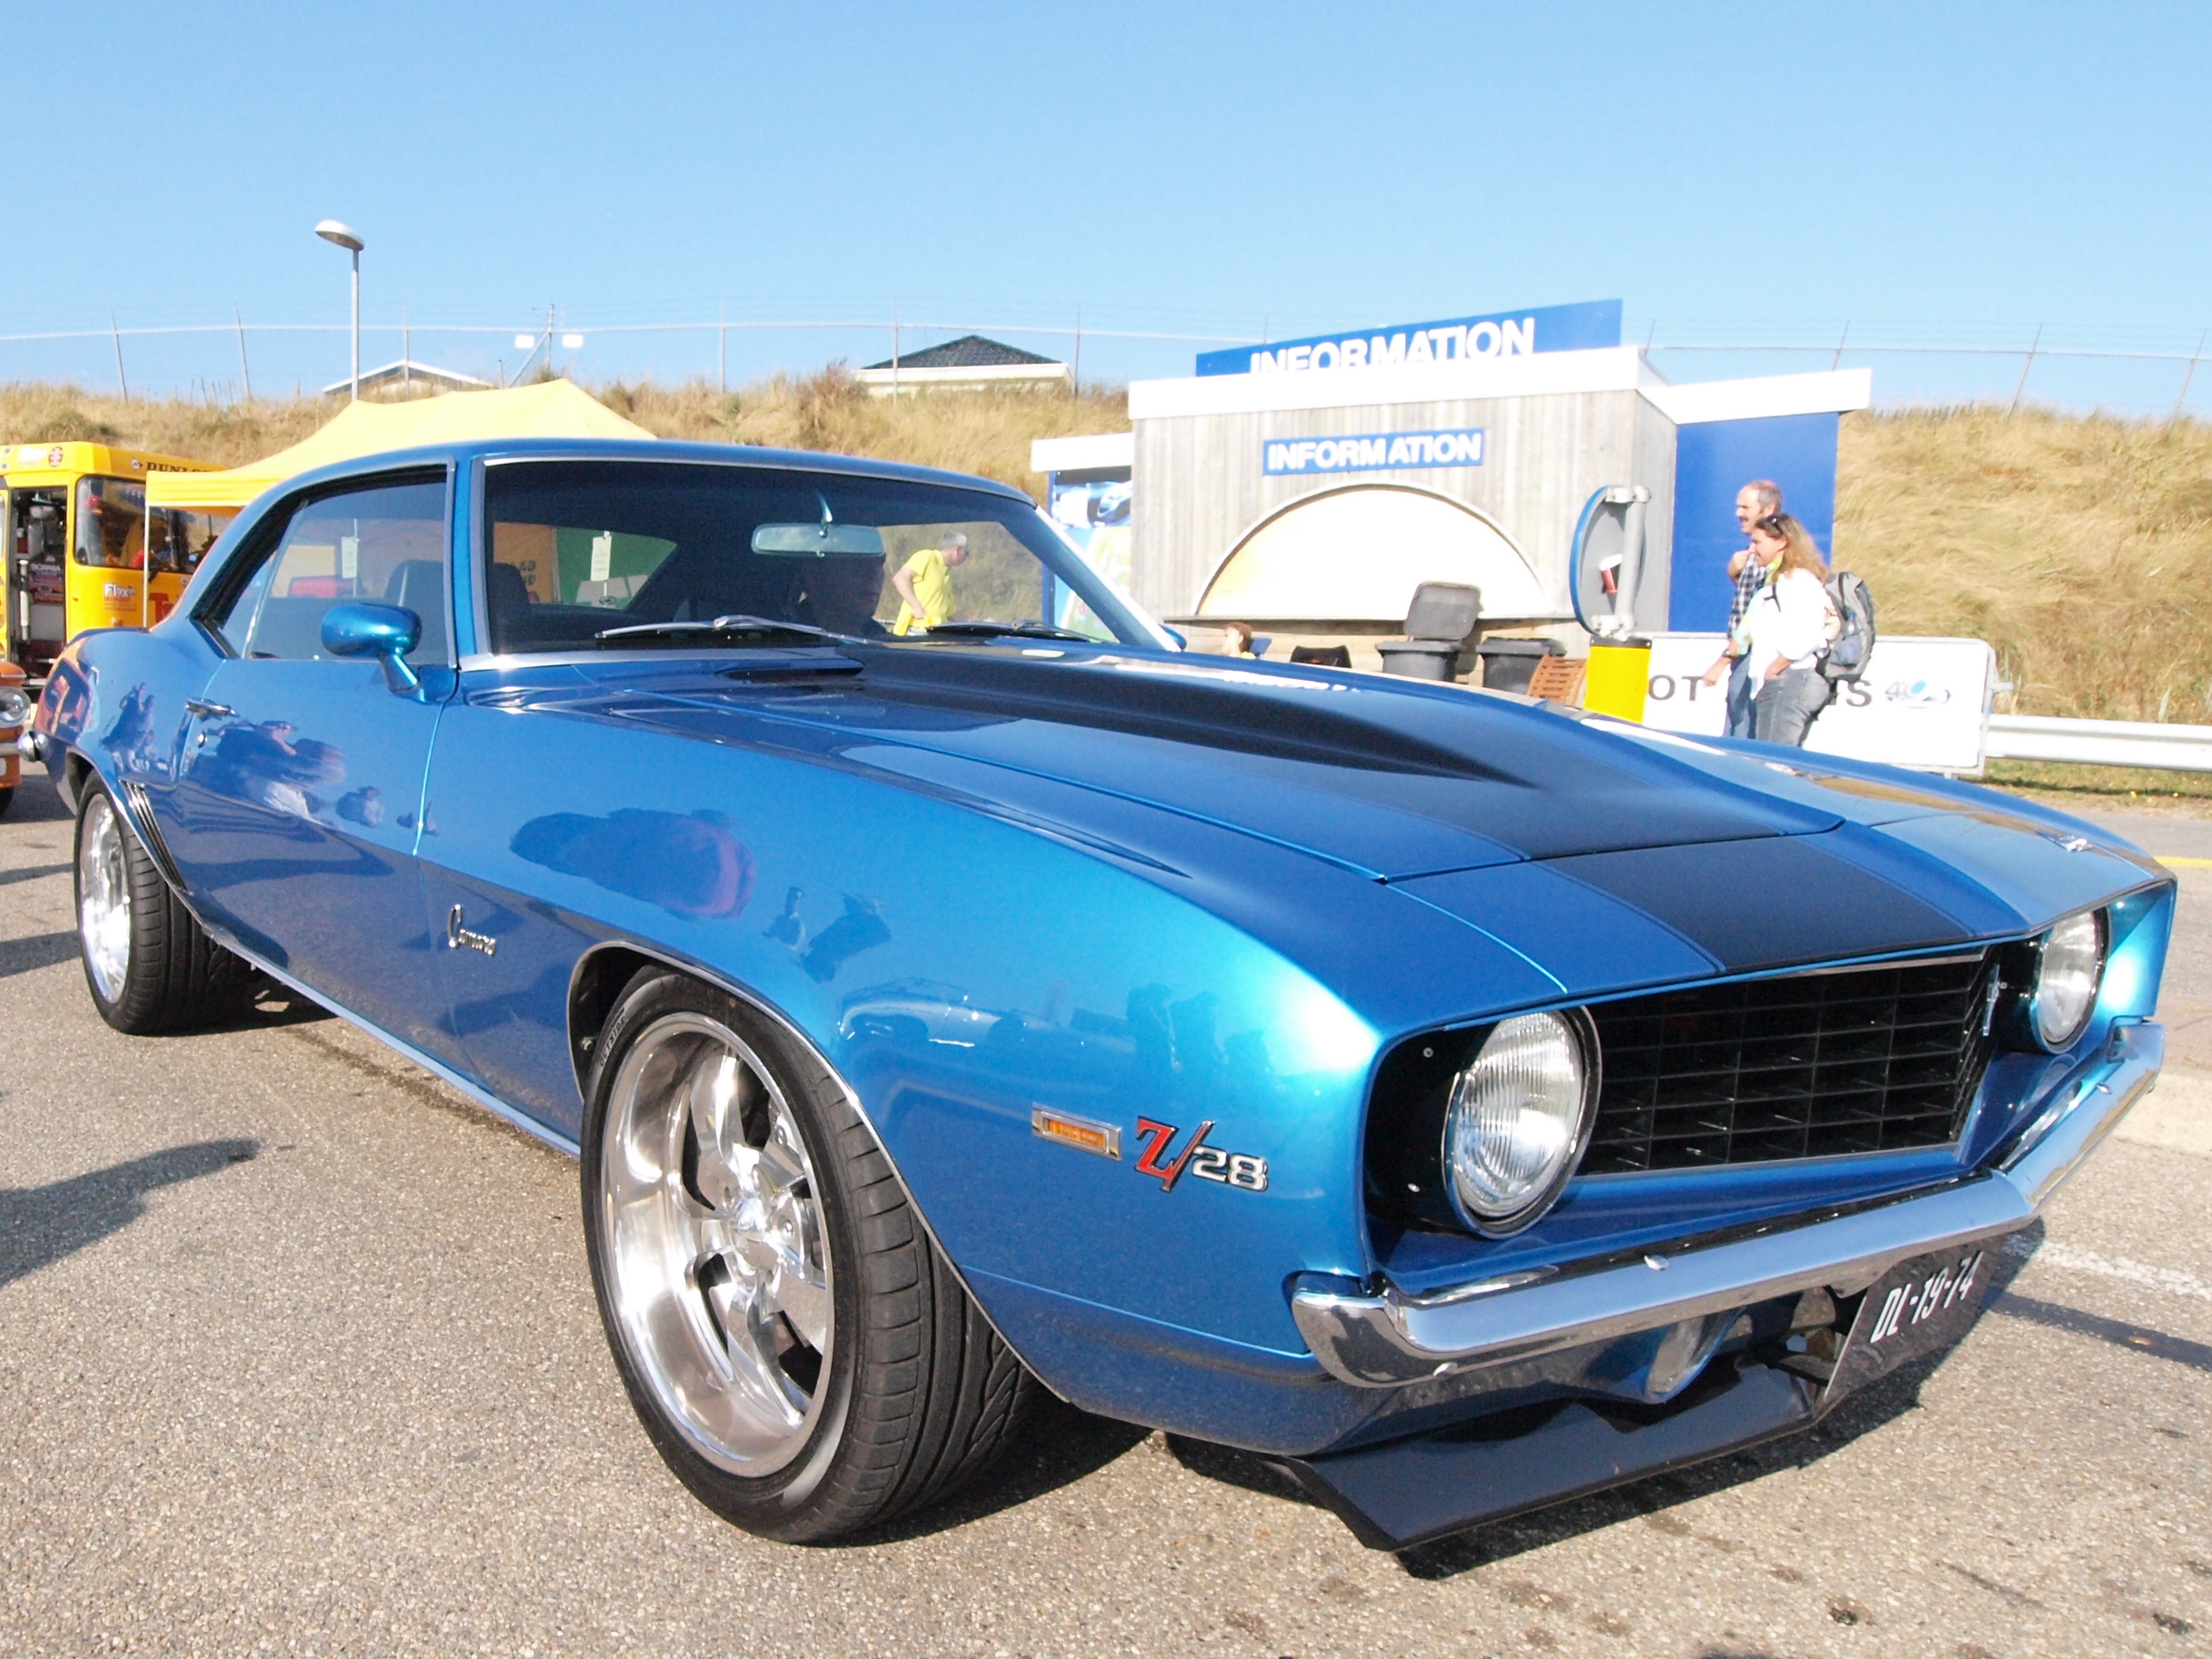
point(595, 984)
point(75, 768)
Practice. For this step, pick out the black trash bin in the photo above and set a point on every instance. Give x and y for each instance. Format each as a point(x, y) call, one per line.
point(1508, 663)
point(1420, 659)
point(1437, 627)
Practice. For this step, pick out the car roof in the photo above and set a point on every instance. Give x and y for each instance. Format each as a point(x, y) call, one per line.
point(662, 450)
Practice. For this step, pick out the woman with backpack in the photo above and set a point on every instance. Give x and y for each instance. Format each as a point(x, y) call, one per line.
point(1789, 622)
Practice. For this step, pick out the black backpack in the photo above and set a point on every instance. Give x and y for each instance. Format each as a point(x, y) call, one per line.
point(1845, 656)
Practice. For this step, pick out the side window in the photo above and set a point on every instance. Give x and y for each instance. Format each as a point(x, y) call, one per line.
point(111, 523)
point(386, 544)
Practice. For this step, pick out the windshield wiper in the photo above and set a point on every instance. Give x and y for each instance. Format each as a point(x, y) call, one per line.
point(985, 630)
point(736, 625)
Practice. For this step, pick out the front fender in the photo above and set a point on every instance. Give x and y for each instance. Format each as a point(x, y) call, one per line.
point(113, 704)
point(962, 972)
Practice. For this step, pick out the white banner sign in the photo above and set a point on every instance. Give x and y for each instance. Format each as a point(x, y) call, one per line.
point(1922, 703)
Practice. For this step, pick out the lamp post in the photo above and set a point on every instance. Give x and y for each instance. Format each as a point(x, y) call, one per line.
point(331, 230)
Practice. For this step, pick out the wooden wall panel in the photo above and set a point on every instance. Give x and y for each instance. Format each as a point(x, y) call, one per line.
point(1200, 486)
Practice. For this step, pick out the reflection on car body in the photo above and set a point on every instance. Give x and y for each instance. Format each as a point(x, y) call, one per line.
point(1466, 1105)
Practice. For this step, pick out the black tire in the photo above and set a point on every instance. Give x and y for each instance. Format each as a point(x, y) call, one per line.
point(918, 1394)
point(173, 976)
point(8, 799)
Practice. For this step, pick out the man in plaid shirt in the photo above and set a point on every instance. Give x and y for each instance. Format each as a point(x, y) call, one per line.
point(1754, 502)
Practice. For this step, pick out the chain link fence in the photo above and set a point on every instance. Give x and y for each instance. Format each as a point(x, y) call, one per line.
point(2133, 373)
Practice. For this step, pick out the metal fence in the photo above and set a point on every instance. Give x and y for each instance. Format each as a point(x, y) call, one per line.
point(2099, 743)
point(2134, 373)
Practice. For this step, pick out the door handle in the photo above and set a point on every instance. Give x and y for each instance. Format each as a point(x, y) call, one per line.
point(208, 710)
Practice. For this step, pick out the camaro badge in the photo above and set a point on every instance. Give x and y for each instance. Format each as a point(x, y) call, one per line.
point(1205, 1163)
point(459, 938)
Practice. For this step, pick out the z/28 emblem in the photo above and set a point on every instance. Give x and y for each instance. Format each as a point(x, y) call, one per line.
point(1238, 1169)
point(1202, 1162)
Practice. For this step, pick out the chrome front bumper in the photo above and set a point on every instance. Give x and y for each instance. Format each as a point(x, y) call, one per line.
point(1390, 1340)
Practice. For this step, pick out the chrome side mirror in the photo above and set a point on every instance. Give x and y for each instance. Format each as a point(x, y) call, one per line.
point(386, 632)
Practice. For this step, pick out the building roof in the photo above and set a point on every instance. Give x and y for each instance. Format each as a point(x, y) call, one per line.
point(967, 352)
point(406, 371)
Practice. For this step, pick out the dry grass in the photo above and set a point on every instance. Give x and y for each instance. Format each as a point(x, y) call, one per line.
point(42, 411)
point(987, 433)
point(2080, 548)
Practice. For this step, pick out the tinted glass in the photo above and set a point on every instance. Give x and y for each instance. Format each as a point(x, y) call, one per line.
point(385, 544)
point(578, 548)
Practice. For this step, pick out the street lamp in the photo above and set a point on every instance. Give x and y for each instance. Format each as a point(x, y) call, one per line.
point(330, 230)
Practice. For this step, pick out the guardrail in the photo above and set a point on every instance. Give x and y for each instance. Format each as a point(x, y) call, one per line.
point(2099, 743)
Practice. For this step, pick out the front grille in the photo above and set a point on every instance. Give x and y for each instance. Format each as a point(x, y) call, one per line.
point(1808, 1067)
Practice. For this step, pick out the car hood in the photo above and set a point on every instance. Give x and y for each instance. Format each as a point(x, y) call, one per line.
point(1599, 853)
point(1384, 779)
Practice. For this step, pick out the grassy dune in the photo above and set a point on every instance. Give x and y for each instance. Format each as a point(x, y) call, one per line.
point(2081, 548)
point(985, 433)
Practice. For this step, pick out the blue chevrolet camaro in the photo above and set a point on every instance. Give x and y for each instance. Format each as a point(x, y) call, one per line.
point(949, 988)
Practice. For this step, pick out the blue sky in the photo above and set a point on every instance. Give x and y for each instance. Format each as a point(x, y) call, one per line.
point(1739, 173)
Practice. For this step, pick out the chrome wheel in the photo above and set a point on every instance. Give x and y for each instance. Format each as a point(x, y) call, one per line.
point(716, 1263)
point(104, 898)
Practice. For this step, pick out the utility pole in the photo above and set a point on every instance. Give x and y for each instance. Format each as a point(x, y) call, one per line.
point(114, 329)
point(2191, 375)
point(2033, 347)
point(244, 368)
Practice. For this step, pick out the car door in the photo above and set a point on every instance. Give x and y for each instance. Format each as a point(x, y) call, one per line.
point(296, 816)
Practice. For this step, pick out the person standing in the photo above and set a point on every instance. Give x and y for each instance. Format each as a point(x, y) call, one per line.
point(1786, 627)
point(1760, 498)
point(925, 583)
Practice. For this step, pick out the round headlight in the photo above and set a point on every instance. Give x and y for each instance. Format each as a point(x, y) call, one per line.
point(1517, 1122)
point(2068, 970)
point(15, 708)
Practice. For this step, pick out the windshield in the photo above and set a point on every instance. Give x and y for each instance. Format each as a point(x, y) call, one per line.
point(581, 549)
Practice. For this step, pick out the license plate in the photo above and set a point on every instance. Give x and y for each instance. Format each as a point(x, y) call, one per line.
point(1920, 1306)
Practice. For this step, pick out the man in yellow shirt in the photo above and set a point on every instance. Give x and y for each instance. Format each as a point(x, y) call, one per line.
point(925, 583)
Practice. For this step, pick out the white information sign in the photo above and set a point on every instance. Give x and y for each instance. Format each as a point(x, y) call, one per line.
point(1923, 703)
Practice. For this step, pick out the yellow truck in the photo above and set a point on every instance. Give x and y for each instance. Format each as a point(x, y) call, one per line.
point(73, 520)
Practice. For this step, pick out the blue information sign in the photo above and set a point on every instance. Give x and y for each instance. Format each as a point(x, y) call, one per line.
point(1373, 452)
point(1501, 334)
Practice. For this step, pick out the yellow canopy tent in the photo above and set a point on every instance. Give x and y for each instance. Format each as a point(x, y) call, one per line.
point(554, 409)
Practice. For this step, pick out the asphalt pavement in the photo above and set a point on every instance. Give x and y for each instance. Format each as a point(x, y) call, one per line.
point(298, 1355)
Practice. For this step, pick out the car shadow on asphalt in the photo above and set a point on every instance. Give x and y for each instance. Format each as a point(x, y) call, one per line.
point(1056, 1446)
point(38, 801)
point(273, 1007)
point(29, 955)
point(39, 1225)
point(1649, 1500)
